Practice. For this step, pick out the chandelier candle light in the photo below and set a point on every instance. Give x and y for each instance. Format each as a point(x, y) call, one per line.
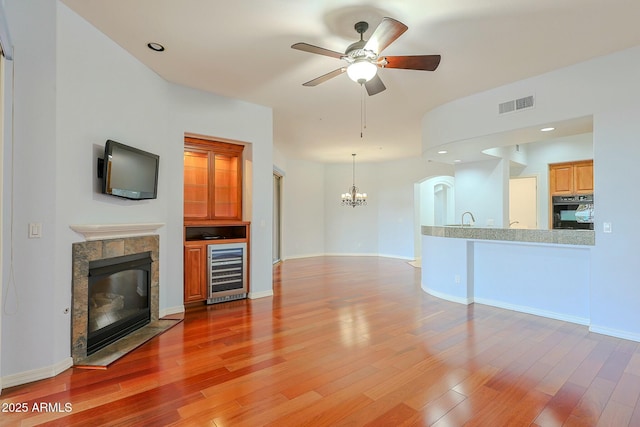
point(353, 197)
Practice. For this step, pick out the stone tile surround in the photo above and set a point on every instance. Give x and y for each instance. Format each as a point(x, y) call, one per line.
point(83, 254)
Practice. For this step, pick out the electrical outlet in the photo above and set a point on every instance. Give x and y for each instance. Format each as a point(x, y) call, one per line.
point(456, 278)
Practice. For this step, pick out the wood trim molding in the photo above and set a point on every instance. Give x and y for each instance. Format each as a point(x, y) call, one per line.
point(115, 231)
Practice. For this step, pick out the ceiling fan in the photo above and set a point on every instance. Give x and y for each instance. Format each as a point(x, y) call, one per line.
point(363, 57)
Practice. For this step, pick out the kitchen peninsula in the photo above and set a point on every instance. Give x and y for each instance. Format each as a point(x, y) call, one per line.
point(542, 272)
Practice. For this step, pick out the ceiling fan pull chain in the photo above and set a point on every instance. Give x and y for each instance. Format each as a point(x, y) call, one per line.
point(363, 112)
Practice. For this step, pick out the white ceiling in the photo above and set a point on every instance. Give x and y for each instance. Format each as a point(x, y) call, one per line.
point(241, 49)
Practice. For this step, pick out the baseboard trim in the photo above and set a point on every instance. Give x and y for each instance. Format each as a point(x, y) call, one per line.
point(263, 294)
point(351, 254)
point(534, 311)
point(397, 257)
point(447, 297)
point(37, 374)
point(614, 333)
point(530, 310)
point(301, 256)
point(348, 254)
point(171, 310)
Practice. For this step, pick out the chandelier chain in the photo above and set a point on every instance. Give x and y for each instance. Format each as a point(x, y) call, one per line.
point(354, 170)
point(353, 197)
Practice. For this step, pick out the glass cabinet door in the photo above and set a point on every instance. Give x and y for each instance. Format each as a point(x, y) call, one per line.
point(212, 180)
point(196, 185)
point(227, 194)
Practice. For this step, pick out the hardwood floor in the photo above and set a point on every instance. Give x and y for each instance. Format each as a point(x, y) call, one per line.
point(351, 342)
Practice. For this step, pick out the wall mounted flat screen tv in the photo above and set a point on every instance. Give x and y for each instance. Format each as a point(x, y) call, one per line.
point(129, 172)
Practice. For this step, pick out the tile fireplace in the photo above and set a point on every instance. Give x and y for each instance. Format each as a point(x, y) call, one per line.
point(115, 291)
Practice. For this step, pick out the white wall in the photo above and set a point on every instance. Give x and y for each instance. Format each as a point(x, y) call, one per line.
point(350, 230)
point(542, 279)
point(303, 199)
point(315, 223)
point(606, 88)
point(614, 285)
point(100, 96)
point(33, 300)
point(75, 88)
point(480, 189)
point(279, 160)
point(428, 202)
point(399, 225)
point(446, 270)
point(551, 281)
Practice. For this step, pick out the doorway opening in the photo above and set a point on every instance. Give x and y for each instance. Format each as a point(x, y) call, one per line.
point(276, 251)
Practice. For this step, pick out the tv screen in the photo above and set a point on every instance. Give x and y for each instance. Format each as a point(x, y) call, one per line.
point(129, 172)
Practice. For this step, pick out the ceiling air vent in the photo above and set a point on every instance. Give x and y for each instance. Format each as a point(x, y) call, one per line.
point(516, 105)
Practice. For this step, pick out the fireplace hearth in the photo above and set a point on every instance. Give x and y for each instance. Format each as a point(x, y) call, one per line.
point(115, 291)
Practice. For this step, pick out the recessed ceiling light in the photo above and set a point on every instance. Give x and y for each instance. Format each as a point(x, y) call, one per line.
point(547, 129)
point(457, 161)
point(155, 46)
point(442, 152)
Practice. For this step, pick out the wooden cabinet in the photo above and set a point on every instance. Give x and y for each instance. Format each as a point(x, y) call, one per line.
point(212, 180)
point(561, 179)
point(583, 177)
point(195, 269)
point(571, 178)
point(212, 207)
point(198, 235)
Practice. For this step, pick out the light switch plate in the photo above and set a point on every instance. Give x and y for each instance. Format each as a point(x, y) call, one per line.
point(35, 230)
point(606, 227)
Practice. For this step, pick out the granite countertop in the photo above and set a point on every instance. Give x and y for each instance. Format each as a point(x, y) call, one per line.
point(561, 237)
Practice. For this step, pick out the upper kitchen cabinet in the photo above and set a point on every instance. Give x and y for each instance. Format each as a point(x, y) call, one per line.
point(583, 177)
point(571, 178)
point(212, 180)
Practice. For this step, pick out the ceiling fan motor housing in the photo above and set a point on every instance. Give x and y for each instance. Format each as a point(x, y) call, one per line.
point(356, 50)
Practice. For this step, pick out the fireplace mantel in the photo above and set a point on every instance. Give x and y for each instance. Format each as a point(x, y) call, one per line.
point(115, 231)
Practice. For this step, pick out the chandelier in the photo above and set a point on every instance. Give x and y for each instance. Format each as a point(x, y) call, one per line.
point(354, 197)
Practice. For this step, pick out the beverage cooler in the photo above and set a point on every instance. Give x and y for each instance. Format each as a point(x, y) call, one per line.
point(227, 264)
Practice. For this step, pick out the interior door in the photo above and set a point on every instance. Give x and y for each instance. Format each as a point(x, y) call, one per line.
point(523, 202)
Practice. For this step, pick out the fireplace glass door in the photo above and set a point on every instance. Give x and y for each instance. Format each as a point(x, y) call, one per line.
point(118, 298)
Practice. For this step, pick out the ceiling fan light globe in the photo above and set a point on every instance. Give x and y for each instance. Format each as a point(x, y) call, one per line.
point(361, 71)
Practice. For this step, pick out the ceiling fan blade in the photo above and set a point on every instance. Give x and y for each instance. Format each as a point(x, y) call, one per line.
point(375, 85)
point(325, 77)
point(416, 62)
point(388, 30)
point(306, 47)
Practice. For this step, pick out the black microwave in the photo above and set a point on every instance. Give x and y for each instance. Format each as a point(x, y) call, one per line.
point(565, 209)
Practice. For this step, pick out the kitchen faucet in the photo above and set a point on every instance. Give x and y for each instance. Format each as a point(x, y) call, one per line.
point(472, 218)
